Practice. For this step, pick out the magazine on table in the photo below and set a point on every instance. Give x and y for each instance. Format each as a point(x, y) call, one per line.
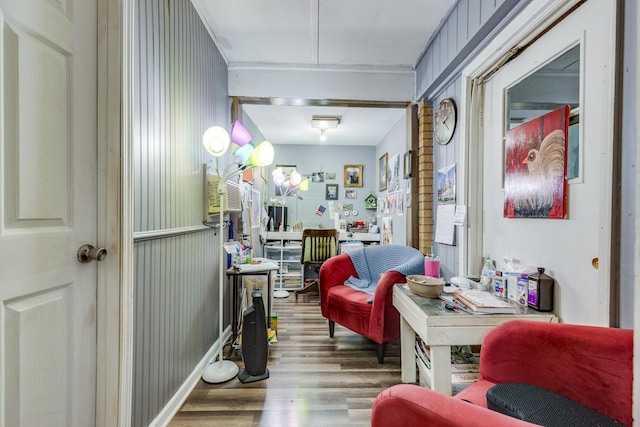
point(483, 302)
point(259, 264)
point(452, 304)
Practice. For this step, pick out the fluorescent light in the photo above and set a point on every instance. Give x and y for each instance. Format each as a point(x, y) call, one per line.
point(325, 122)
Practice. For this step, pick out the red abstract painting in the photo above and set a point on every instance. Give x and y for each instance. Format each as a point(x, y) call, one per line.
point(535, 169)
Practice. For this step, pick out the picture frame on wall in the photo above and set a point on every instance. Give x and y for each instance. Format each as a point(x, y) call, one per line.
point(331, 192)
point(350, 194)
point(535, 167)
point(317, 176)
point(353, 175)
point(408, 162)
point(382, 172)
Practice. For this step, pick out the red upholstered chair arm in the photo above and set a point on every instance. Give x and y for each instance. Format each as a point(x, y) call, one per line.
point(583, 363)
point(407, 405)
point(334, 271)
point(383, 301)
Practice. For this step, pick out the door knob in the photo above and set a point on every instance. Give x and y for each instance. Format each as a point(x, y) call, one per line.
point(88, 253)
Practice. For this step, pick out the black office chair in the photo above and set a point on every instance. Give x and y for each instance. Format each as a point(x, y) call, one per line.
point(318, 245)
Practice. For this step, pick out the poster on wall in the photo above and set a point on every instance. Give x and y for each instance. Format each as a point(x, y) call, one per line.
point(447, 185)
point(393, 183)
point(387, 232)
point(535, 184)
point(445, 230)
point(255, 208)
point(392, 203)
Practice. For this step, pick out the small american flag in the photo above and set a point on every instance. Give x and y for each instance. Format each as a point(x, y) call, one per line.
point(320, 210)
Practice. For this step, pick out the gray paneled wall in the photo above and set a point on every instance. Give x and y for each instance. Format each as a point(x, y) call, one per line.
point(443, 156)
point(181, 89)
point(175, 316)
point(470, 25)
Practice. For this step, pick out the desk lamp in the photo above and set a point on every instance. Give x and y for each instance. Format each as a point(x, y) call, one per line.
point(287, 187)
point(216, 141)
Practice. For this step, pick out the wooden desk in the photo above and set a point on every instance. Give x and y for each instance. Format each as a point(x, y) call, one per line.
point(297, 235)
point(440, 328)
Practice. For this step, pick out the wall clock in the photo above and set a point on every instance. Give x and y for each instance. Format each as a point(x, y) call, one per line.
point(445, 121)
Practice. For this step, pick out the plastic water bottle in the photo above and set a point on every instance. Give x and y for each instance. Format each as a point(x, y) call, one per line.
point(487, 275)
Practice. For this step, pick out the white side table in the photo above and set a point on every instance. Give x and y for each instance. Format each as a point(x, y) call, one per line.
point(440, 328)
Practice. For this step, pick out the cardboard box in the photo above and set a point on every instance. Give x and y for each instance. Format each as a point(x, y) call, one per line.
point(512, 285)
point(274, 321)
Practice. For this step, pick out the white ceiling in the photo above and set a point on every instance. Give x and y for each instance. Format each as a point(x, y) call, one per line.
point(318, 51)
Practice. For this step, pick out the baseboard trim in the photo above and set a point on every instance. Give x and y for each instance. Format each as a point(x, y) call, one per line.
point(175, 403)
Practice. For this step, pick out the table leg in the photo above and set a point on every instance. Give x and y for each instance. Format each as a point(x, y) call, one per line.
point(407, 357)
point(441, 368)
point(234, 321)
point(269, 299)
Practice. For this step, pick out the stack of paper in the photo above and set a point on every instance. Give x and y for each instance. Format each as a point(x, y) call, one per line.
point(483, 302)
point(257, 266)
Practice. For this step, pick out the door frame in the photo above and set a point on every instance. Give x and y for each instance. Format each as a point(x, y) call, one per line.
point(114, 372)
point(525, 28)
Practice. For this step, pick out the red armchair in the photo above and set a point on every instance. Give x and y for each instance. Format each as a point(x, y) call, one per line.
point(588, 364)
point(368, 312)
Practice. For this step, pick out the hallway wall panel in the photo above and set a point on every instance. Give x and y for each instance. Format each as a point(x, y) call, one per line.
point(181, 90)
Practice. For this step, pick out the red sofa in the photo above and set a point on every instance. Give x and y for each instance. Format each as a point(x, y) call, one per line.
point(590, 365)
point(377, 320)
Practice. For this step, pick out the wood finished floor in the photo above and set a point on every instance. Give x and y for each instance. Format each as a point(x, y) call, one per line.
point(314, 380)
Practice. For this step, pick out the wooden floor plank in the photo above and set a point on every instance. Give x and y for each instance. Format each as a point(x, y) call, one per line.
point(314, 380)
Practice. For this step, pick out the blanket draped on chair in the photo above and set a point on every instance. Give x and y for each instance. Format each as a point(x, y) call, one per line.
point(371, 263)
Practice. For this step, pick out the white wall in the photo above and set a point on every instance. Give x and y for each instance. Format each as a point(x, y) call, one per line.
point(332, 159)
point(565, 247)
point(327, 158)
point(460, 37)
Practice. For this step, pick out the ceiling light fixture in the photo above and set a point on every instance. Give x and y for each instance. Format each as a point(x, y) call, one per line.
point(323, 123)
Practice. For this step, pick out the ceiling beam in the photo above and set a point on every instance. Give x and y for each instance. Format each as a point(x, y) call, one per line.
point(298, 102)
point(367, 84)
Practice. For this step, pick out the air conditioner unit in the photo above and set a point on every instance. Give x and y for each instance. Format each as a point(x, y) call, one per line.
point(232, 200)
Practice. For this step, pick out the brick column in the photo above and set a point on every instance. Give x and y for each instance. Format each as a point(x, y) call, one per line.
point(425, 178)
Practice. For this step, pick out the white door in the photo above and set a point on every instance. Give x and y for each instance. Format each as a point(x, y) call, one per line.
point(565, 247)
point(48, 83)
